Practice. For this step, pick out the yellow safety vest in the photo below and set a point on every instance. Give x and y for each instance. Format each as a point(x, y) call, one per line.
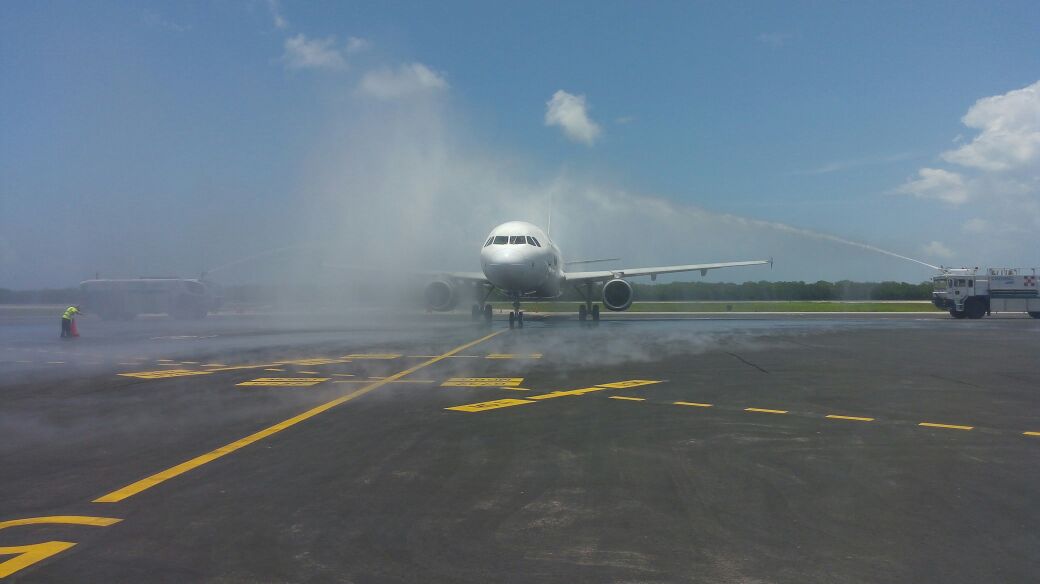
point(70, 312)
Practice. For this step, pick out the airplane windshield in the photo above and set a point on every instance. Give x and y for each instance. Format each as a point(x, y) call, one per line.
point(517, 239)
point(501, 240)
point(490, 239)
point(532, 241)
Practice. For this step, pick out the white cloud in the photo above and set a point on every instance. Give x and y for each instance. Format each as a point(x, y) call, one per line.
point(304, 53)
point(569, 112)
point(841, 165)
point(976, 225)
point(1009, 135)
point(407, 80)
point(938, 250)
point(357, 45)
point(276, 14)
point(936, 183)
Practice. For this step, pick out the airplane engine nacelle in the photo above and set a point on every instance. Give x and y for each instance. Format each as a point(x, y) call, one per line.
point(441, 295)
point(617, 295)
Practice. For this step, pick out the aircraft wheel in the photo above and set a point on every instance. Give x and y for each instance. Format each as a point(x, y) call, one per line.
point(512, 318)
point(487, 314)
point(520, 319)
point(582, 313)
point(957, 313)
point(595, 313)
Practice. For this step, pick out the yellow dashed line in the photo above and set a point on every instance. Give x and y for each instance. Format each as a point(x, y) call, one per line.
point(628, 398)
point(309, 372)
point(275, 369)
point(947, 426)
point(764, 411)
point(853, 418)
point(1031, 433)
point(692, 404)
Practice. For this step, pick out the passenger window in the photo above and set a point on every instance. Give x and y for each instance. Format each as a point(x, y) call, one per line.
point(490, 239)
point(501, 240)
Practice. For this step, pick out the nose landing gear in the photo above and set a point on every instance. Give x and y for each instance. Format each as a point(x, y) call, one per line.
point(516, 316)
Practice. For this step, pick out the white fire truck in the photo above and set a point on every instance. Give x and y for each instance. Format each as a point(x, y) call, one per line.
point(969, 293)
point(181, 298)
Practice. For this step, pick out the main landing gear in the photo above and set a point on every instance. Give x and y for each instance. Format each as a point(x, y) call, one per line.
point(587, 310)
point(477, 312)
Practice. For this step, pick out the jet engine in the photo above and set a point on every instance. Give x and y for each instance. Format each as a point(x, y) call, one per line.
point(441, 295)
point(617, 295)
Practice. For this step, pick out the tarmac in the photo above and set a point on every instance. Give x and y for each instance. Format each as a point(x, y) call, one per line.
point(427, 448)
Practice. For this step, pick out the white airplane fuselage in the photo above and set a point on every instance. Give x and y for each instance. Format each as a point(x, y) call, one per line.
point(520, 259)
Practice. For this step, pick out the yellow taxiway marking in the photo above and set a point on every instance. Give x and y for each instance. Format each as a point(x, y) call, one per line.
point(189, 362)
point(483, 382)
point(765, 411)
point(165, 475)
point(27, 555)
point(505, 403)
point(164, 373)
point(452, 357)
point(513, 356)
point(629, 383)
point(343, 375)
point(284, 381)
point(214, 365)
point(276, 369)
point(853, 418)
point(512, 388)
point(317, 361)
point(377, 356)
point(626, 398)
point(1031, 433)
point(692, 404)
point(947, 426)
point(307, 372)
point(395, 381)
point(61, 519)
point(490, 405)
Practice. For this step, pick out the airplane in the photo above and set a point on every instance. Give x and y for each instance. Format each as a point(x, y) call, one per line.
point(522, 261)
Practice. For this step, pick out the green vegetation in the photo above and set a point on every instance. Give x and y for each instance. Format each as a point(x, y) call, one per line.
point(781, 306)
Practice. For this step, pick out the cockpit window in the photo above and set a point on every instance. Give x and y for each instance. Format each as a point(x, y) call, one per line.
point(517, 239)
point(490, 239)
point(533, 241)
point(501, 240)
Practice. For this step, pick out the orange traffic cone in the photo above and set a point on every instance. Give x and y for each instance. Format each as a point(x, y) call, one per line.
point(75, 332)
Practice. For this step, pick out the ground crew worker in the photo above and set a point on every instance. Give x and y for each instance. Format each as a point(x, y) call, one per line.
point(66, 321)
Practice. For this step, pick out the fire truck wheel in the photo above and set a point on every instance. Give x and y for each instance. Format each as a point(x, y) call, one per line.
point(957, 313)
point(974, 308)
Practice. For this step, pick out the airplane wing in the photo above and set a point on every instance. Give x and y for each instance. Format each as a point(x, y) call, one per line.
point(582, 277)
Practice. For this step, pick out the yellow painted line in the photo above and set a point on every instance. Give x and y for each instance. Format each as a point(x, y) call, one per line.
point(692, 404)
point(853, 418)
point(500, 356)
point(379, 356)
point(483, 382)
point(164, 373)
point(239, 367)
point(214, 365)
point(947, 426)
point(1031, 433)
point(490, 405)
point(511, 388)
point(628, 398)
point(627, 384)
point(764, 411)
point(189, 362)
point(569, 392)
point(277, 369)
point(315, 361)
point(61, 519)
point(452, 357)
point(165, 475)
point(284, 381)
point(394, 381)
point(343, 375)
point(28, 555)
point(308, 372)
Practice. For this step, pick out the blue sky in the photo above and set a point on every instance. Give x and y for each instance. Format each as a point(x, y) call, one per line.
point(152, 137)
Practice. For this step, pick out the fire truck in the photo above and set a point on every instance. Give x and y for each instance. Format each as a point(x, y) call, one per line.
point(181, 298)
point(971, 293)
